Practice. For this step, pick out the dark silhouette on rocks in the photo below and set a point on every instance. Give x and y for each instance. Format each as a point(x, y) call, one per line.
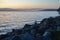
point(59, 10)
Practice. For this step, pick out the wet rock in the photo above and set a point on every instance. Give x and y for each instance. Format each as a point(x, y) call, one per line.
point(46, 30)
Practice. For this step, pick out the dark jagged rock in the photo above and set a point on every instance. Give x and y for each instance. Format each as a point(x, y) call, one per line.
point(16, 38)
point(58, 9)
point(46, 30)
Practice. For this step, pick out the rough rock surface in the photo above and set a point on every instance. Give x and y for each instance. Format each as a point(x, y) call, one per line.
point(45, 30)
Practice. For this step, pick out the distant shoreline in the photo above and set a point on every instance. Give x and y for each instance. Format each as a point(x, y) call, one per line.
point(33, 11)
point(9, 9)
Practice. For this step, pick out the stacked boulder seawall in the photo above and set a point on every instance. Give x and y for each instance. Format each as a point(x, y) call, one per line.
point(45, 30)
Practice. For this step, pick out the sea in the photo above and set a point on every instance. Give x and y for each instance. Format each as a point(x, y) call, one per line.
point(17, 19)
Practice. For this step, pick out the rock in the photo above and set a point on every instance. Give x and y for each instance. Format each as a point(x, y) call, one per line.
point(16, 38)
point(46, 30)
point(27, 36)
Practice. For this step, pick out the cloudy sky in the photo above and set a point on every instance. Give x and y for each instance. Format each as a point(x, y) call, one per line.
point(29, 4)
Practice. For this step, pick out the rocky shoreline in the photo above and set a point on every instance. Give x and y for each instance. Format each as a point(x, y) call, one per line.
point(45, 30)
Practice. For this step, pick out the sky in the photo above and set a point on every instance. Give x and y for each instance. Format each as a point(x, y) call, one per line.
point(28, 4)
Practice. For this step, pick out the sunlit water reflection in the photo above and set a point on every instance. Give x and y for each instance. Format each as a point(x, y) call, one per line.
point(10, 20)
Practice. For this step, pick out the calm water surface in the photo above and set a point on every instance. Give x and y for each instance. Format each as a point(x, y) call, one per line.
point(10, 20)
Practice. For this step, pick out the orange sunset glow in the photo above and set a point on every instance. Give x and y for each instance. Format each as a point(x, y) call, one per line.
point(28, 4)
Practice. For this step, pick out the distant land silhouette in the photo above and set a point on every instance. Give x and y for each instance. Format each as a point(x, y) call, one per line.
point(7, 9)
point(49, 10)
point(33, 9)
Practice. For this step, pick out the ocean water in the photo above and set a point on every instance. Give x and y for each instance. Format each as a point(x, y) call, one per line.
point(14, 19)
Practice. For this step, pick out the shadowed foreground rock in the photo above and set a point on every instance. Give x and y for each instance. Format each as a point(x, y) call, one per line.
point(45, 30)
